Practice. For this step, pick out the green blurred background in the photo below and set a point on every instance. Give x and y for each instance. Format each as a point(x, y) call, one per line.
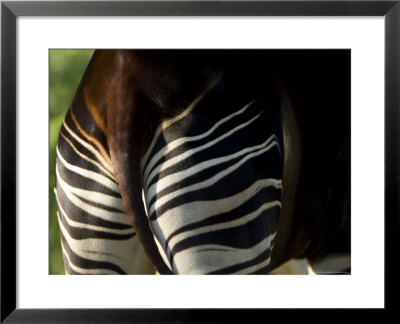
point(66, 70)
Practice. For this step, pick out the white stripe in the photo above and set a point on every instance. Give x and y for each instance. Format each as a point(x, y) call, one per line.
point(92, 196)
point(209, 182)
point(97, 177)
point(224, 225)
point(98, 212)
point(175, 177)
point(145, 157)
point(82, 270)
point(115, 249)
point(81, 225)
point(89, 147)
point(189, 153)
point(186, 214)
point(202, 259)
point(86, 158)
point(180, 141)
point(144, 203)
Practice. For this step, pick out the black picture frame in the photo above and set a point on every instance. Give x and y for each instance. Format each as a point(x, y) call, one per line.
point(10, 10)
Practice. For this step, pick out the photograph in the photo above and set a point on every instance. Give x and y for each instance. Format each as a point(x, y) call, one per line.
point(200, 161)
point(203, 139)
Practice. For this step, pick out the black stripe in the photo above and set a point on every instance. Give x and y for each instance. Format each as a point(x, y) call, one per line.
point(254, 166)
point(190, 179)
point(68, 268)
point(101, 206)
point(72, 157)
point(79, 215)
point(66, 135)
point(78, 233)
point(244, 236)
point(76, 180)
point(220, 190)
point(240, 266)
point(86, 263)
point(247, 207)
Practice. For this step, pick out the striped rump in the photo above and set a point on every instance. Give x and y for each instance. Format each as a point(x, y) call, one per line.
point(212, 186)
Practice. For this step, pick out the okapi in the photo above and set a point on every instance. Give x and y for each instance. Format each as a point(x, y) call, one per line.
point(206, 162)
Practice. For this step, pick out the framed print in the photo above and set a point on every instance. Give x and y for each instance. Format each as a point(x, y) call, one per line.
point(32, 33)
